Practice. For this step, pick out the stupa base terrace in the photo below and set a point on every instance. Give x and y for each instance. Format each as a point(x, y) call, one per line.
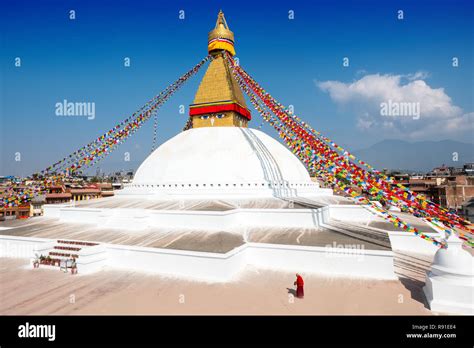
point(212, 240)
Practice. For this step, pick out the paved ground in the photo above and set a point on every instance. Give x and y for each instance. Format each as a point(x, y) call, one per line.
point(25, 290)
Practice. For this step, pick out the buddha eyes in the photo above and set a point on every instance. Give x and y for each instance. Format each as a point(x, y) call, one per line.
point(205, 117)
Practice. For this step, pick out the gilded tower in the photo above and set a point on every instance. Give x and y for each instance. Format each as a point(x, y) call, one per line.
point(219, 102)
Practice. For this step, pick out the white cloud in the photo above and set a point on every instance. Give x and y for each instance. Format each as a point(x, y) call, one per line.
point(419, 75)
point(439, 117)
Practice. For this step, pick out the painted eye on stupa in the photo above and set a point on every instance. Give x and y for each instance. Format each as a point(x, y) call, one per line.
point(204, 117)
point(220, 116)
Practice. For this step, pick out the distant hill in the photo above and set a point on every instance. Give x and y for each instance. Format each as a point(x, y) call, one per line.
point(416, 156)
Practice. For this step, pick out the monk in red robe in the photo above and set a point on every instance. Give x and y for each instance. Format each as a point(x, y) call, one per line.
point(299, 286)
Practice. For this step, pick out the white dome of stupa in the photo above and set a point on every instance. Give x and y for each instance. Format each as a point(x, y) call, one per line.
point(222, 161)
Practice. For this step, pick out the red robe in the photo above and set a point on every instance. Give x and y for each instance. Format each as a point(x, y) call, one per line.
point(299, 287)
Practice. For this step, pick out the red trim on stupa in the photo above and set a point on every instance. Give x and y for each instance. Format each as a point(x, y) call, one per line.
point(201, 110)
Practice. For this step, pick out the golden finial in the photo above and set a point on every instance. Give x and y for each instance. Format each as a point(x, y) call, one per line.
point(221, 20)
point(221, 37)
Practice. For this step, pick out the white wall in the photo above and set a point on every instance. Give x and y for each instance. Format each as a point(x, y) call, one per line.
point(141, 218)
point(330, 261)
point(350, 213)
point(54, 210)
point(222, 267)
point(409, 242)
point(89, 215)
point(189, 264)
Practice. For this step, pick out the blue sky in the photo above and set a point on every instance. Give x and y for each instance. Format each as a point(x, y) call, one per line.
point(298, 61)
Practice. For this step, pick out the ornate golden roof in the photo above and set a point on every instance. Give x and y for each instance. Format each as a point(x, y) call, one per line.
point(221, 31)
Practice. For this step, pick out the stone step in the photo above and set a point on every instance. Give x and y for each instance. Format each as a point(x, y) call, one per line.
point(75, 242)
point(56, 254)
point(90, 257)
point(66, 249)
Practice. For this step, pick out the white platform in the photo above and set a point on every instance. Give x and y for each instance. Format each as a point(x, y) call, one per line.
point(236, 220)
point(217, 267)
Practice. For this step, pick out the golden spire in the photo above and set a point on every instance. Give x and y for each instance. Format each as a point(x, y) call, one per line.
point(221, 37)
point(219, 102)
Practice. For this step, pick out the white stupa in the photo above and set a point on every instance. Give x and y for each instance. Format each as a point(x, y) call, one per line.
point(223, 162)
point(219, 156)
